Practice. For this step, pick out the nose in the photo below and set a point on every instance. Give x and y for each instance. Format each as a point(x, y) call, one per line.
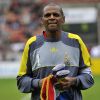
point(52, 16)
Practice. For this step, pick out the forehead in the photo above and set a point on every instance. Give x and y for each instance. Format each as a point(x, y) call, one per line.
point(51, 9)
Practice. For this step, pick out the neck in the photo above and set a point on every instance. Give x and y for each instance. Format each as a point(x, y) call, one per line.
point(53, 34)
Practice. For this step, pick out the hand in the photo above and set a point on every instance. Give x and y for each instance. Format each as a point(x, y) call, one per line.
point(40, 82)
point(53, 80)
point(67, 82)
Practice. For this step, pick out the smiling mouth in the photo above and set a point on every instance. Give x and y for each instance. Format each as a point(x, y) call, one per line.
point(52, 23)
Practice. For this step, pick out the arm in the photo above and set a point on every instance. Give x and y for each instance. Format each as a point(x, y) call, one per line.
point(84, 78)
point(82, 81)
point(25, 82)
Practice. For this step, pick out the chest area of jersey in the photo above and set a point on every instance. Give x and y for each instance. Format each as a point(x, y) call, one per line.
point(51, 54)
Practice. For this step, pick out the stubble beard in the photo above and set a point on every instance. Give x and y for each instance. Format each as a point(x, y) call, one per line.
point(53, 33)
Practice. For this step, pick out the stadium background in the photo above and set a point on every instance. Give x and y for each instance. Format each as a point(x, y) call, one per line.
point(20, 19)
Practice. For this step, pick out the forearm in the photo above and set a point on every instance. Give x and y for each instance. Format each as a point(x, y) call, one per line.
point(85, 79)
point(27, 84)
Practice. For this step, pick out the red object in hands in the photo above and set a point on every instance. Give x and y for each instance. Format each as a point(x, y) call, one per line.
point(47, 90)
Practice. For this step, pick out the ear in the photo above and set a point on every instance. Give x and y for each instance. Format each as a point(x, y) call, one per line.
point(41, 20)
point(63, 19)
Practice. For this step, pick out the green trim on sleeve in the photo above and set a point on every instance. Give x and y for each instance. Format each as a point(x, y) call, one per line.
point(85, 53)
point(23, 65)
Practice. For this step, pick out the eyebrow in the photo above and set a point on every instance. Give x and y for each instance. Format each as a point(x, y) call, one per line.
point(54, 14)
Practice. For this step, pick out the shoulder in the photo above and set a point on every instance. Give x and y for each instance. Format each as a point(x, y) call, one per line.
point(74, 36)
point(71, 39)
point(71, 35)
point(30, 40)
point(34, 39)
point(79, 40)
point(34, 42)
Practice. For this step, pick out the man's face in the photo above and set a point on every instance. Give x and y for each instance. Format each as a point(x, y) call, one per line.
point(52, 18)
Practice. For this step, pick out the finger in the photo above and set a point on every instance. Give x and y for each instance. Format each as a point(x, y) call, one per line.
point(67, 78)
point(66, 87)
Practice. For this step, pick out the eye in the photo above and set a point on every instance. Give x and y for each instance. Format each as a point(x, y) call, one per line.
point(56, 14)
point(47, 15)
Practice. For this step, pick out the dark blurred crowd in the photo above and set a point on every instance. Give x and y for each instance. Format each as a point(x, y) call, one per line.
point(18, 22)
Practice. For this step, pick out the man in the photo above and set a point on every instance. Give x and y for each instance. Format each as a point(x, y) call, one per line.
point(54, 47)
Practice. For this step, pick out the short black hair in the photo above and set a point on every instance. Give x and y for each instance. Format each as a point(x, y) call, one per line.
point(53, 4)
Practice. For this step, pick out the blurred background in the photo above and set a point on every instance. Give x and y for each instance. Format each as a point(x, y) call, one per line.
point(20, 20)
